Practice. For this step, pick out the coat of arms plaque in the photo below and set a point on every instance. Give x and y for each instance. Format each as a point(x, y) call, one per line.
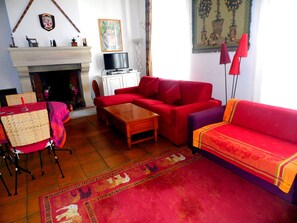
point(47, 21)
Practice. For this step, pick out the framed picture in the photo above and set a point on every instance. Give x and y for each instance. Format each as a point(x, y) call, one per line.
point(217, 21)
point(110, 35)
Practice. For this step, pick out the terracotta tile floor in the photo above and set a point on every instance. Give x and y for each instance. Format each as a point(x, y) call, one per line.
point(96, 149)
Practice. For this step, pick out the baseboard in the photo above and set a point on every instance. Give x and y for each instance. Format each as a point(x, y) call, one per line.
point(87, 111)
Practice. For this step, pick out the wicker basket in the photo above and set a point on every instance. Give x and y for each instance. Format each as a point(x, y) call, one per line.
point(26, 128)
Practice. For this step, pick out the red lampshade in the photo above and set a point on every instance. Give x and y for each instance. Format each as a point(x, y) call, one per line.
point(234, 69)
point(224, 58)
point(242, 48)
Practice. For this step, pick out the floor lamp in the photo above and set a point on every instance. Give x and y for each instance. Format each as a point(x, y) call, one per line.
point(241, 51)
point(137, 44)
point(235, 71)
point(224, 59)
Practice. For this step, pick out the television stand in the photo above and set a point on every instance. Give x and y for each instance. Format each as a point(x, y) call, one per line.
point(108, 83)
point(119, 72)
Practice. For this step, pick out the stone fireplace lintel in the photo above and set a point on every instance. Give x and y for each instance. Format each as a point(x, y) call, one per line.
point(25, 59)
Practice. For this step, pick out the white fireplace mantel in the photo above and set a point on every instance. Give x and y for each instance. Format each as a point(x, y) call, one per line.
point(26, 59)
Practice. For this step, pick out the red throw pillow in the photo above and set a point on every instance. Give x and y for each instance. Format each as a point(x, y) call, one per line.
point(173, 94)
point(152, 87)
point(142, 86)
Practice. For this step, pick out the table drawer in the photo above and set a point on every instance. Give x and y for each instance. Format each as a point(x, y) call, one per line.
point(143, 125)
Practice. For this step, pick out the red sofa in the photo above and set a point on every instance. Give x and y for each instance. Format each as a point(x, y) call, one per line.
point(258, 139)
point(173, 100)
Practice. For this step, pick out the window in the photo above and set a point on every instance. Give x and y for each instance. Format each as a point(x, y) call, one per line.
point(276, 75)
point(171, 38)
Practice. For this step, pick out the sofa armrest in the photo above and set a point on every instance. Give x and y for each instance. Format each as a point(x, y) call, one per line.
point(202, 118)
point(127, 90)
point(215, 102)
point(179, 116)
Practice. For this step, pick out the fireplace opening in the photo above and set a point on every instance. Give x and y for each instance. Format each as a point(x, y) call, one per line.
point(62, 85)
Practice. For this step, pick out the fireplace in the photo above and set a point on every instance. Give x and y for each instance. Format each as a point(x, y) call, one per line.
point(57, 69)
point(59, 85)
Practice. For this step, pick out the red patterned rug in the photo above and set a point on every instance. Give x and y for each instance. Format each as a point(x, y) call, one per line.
point(172, 187)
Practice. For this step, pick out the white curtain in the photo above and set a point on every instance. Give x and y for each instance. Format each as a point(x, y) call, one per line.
point(276, 49)
point(171, 38)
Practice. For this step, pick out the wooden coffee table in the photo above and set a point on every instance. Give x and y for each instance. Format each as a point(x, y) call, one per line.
point(132, 119)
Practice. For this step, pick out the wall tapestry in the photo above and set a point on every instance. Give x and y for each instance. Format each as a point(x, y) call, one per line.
point(217, 21)
point(110, 35)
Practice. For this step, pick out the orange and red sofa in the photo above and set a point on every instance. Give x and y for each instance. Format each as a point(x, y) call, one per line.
point(257, 141)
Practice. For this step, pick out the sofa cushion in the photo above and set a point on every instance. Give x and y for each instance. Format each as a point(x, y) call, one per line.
point(164, 85)
point(152, 88)
point(146, 102)
point(193, 91)
point(164, 110)
point(104, 101)
point(143, 84)
point(173, 94)
point(263, 155)
point(272, 120)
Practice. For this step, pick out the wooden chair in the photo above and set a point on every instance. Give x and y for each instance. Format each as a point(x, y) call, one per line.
point(27, 133)
point(3, 93)
point(3, 155)
point(6, 188)
point(96, 88)
point(15, 99)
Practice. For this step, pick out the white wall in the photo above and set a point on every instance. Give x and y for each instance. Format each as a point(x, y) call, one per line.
point(30, 25)
point(171, 39)
point(8, 75)
point(84, 14)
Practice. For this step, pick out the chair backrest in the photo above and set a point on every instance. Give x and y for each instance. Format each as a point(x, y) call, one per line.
point(26, 128)
point(3, 93)
point(15, 99)
point(96, 88)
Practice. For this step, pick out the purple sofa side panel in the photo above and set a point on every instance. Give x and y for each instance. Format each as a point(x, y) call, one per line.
point(199, 119)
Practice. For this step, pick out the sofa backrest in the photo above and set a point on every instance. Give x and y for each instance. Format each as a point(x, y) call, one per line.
point(143, 83)
point(175, 91)
point(164, 86)
point(194, 91)
point(272, 120)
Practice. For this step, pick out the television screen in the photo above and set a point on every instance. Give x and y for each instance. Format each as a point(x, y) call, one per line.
point(116, 61)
